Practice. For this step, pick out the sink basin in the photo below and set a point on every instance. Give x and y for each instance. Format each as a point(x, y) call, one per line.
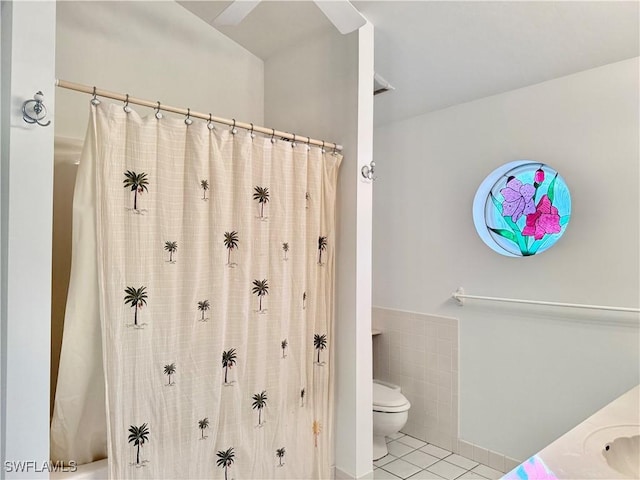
point(623, 455)
point(618, 446)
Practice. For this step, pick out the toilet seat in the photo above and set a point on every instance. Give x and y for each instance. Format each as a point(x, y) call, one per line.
point(388, 400)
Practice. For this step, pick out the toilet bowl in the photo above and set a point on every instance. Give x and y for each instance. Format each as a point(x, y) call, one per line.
point(390, 413)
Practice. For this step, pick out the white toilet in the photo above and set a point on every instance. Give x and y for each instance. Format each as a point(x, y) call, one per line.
point(390, 413)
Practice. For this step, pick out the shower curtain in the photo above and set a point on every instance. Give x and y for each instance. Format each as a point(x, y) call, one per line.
point(203, 276)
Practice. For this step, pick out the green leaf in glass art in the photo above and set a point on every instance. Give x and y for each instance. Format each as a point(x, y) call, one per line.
point(505, 233)
point(551, 189)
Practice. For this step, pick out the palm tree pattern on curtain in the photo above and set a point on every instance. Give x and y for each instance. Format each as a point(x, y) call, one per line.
point(230, 243)
point(138, 436)
point(209, 227)
point(138, 183)
point(204, 185)
point(169, 370)
point(260, 289)
point(322, 246)
point(136, 298)
point(259, 402)
point(228, 360)
point(319, 343)
point(261, 194)
point(203, 306)
point(203, 425)
point(171, 247)
point(225, 460)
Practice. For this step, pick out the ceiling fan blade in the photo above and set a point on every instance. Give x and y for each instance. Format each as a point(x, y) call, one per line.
point(342, 14)
point(235, 13)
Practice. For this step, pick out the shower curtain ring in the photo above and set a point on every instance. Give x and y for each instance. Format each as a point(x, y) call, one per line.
point(234, 130)
point(210, 125)
point(322, 149)
point(158, 114)
point(188, 120)
point(308, 144)
point(126, 107)
point(293, 144)
point(253, 135)
point(94, 100)
point(273, 132)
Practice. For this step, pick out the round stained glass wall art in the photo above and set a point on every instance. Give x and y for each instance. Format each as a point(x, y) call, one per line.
point(522, 208)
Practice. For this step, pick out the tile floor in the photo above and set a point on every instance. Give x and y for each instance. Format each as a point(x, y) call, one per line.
point(410, 458)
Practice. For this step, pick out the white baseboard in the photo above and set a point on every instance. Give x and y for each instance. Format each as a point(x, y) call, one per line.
point(487, 457)
point(340, 475)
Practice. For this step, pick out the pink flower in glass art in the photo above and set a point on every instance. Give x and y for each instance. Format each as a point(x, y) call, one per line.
point(544, 220)
point(518, 199)
point(539, 177)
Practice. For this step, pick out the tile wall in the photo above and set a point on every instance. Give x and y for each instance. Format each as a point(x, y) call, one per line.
point(419, 352)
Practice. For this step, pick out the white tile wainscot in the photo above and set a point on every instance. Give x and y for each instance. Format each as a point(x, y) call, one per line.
point(419, 353)
point(495, 460)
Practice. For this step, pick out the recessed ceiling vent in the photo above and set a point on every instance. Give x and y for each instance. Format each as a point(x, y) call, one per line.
point(380, 85)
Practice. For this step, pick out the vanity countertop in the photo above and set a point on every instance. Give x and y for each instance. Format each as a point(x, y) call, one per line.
point(579, 453)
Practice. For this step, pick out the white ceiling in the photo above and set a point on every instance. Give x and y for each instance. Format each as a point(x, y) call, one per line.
point(442, 53)
point(270, 27)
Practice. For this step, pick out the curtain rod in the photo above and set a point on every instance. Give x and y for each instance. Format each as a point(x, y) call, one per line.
point(459, 297)
point(182, 111)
